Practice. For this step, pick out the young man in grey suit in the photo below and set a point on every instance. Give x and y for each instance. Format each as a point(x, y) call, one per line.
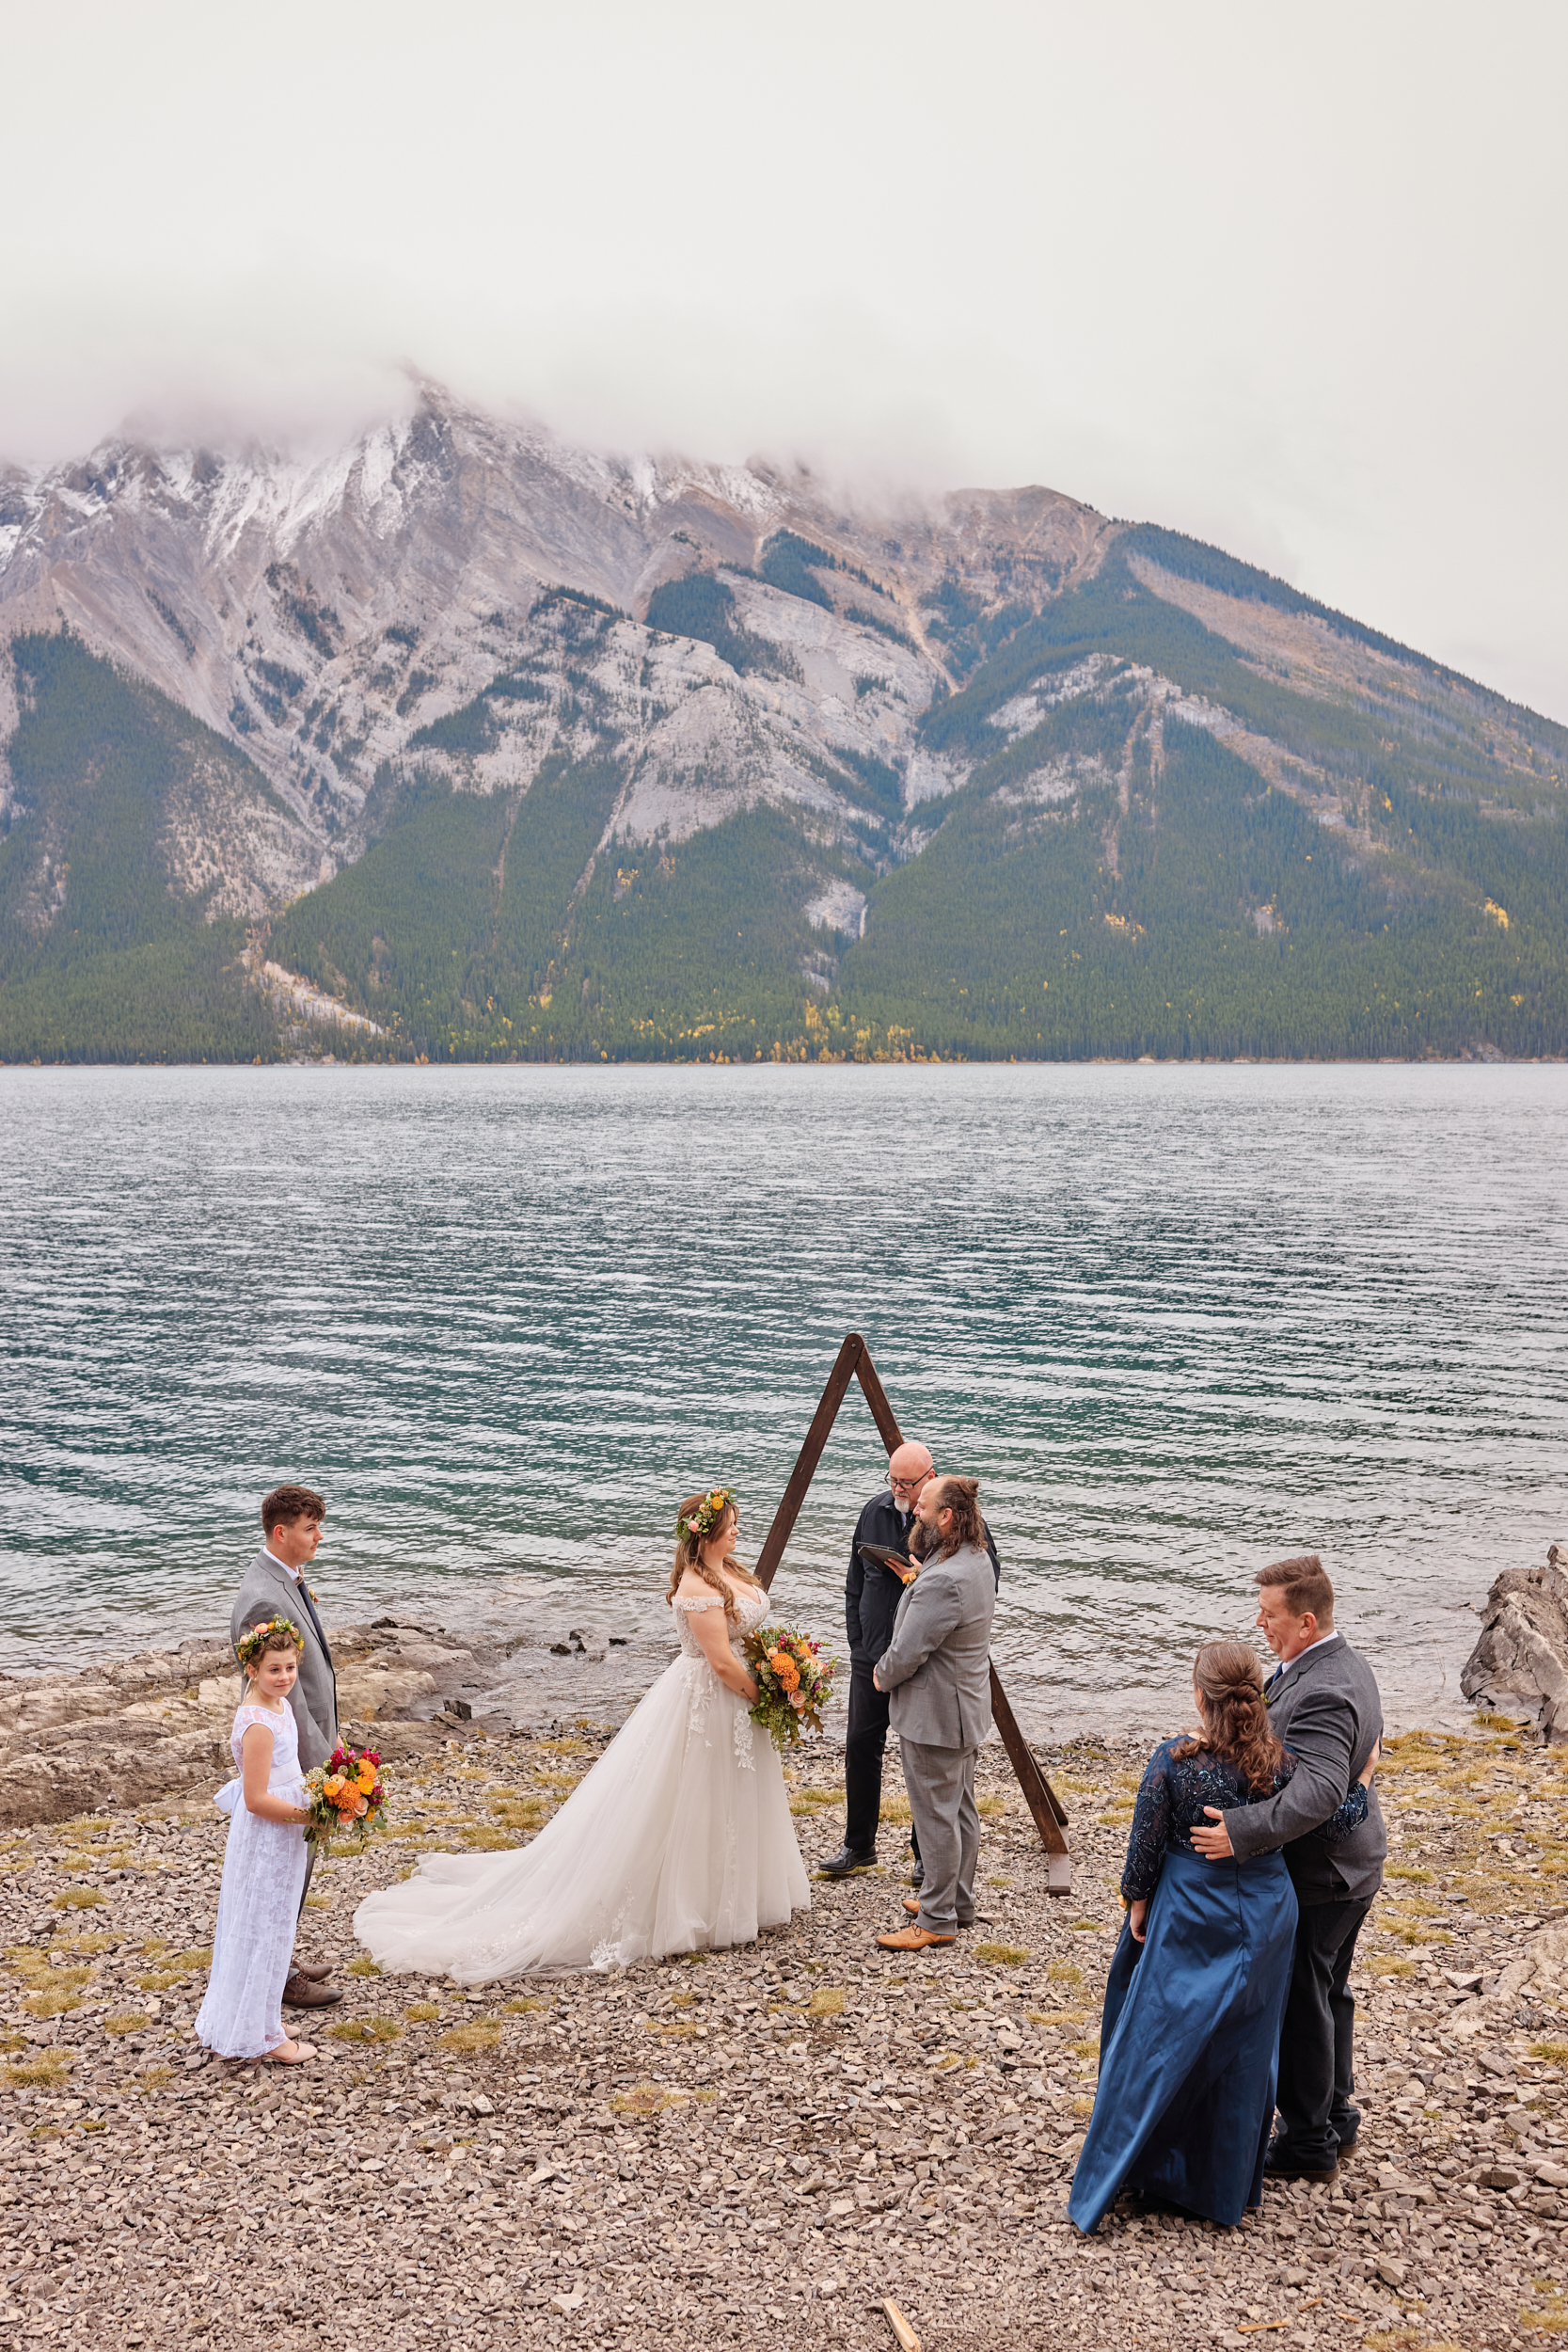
point(274, 1586)
point(1323, 1704)
point(938, 1668)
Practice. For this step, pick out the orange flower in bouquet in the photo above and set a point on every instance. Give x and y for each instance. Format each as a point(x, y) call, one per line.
point(346, 1797)
point(793, 1683)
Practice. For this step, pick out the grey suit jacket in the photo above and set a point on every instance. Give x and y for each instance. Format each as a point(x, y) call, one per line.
point(938, 1665)
point(269, 1590)
point(1327, 1711)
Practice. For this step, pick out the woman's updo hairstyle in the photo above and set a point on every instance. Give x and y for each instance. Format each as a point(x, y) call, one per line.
point(1229, 1681)
point(701, 1518)
point(961, 1497)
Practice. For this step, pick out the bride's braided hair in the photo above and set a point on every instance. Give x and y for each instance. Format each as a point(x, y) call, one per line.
point(1229, 1681)
point(691, 1537)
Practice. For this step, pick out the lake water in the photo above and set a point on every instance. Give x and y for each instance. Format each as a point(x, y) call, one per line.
point(1178, 1320)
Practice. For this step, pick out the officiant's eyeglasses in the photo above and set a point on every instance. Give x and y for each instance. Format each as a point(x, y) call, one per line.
point(911, 1485)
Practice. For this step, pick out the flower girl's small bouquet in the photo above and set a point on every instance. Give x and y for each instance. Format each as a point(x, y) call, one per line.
point(793, 1683)
point(346, 1797)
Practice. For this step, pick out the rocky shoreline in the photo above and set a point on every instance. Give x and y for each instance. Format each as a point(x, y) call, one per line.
point(753, 2147)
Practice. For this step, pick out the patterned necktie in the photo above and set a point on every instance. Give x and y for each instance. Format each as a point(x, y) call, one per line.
point(304, 1592)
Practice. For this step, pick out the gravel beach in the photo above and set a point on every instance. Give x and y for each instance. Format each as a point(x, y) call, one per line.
point(756, 2147)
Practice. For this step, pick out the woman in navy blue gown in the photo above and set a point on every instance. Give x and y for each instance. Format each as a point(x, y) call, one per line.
point(1189, 2038)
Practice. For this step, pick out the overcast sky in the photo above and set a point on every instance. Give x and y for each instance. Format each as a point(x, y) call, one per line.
point(1290, 279)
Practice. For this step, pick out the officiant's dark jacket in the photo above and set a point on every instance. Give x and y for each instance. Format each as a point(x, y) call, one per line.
point(1326, 1709)
point(873, 1593)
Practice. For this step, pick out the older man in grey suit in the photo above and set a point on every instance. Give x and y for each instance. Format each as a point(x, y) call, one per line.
point(938, 1668)
point(274, 1586)
point(1323, 1704)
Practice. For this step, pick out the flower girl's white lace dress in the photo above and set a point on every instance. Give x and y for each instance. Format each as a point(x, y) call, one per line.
point(263, 1877)
point(678, 1839)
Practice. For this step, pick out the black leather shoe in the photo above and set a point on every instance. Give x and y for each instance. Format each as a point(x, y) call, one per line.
point(917, 1876)
point(843, 1864)
point(1279, 2165)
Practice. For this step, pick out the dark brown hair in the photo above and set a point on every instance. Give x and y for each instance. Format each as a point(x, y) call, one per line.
point(287, 1503)
point(1229, 1681)
point(1305, 1585)
point(961, 1496)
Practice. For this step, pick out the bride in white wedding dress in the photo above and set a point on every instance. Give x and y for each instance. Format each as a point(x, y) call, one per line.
point(679, 1838)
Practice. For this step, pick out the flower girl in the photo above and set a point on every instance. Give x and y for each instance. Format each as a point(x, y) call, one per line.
point(263, 1864)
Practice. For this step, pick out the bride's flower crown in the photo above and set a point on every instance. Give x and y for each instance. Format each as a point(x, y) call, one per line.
point(251, 1644)
point(705, 1517)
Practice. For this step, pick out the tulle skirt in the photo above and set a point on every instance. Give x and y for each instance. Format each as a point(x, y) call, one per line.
point(679, 1839)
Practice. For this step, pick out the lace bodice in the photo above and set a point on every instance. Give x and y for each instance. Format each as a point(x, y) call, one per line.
point(751, 1609)
point(1171, 1798)
point(283, 1774)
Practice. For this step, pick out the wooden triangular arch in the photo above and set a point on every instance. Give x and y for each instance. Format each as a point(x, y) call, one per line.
point(854, 1364)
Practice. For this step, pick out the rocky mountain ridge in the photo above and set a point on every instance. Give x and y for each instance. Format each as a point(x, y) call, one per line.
point(488, 739)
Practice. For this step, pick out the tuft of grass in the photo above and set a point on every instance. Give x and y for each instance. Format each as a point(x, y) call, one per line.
point(1064, 1972)
point(674, 2030)
point(1083, 2106)
point(78, 1898)
point(476, 2033)
point(991, 1809)
point(364, 1966)
point(367, 2030)
point(519, 1812)
point(897, 1810)
point(522, 2009)
point(48, 2068)
point(829, 2000)
point(52, 2004)
point(805, 1803)
point(1088, 1927)
point(1408, 1870)
point(1057, 2016)
point(13, 2042)
point(1116, 1818)
point(129, 2021)
point(154, 2077)
point(647, 2099)
point(1385, 1968)
point(1000, 1955)
point(488, 1840)
point(317, 1902)
point(1553, 2053)
point(422, 2012)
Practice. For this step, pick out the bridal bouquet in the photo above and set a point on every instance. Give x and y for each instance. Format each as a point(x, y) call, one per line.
point(793, 1683)
point(346, 1797)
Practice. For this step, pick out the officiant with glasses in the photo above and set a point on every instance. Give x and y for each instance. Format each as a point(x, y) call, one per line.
point(882, 1560)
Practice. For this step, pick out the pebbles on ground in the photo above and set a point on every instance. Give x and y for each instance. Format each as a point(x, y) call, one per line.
point(755, 2147)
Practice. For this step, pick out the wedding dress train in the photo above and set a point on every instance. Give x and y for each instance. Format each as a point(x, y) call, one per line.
point(679, 1838)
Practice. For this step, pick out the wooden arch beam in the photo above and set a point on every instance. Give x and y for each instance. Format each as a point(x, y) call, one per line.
point(853, 1363)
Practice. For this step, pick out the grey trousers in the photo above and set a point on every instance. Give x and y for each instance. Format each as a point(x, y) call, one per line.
point(940, 1786)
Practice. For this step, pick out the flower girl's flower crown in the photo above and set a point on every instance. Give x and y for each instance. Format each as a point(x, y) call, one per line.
point(705, 1517)
point(250, 1644)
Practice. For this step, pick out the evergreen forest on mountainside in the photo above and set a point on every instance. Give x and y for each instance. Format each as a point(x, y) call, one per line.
point(1105, 876)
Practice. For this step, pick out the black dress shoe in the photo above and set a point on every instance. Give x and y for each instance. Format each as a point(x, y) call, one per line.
point(843, 1864)
point(917, 1876)
point(1279, 2165)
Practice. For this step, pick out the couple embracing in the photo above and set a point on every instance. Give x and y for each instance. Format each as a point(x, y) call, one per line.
point(1255, 1851)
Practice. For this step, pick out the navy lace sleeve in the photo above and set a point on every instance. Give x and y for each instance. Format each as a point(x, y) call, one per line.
point(1350, 1816)
point(1151, 1830)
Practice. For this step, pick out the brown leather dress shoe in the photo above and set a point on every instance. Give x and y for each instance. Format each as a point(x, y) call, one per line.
point(912, 1904)
point(912, 1940)
point(301, 1991)
point(313, 1970)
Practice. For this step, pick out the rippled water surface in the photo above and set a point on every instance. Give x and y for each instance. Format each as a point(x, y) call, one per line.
point(1178, 1321)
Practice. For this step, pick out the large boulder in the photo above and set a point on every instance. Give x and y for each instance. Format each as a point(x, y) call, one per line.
point(1520, 1662)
